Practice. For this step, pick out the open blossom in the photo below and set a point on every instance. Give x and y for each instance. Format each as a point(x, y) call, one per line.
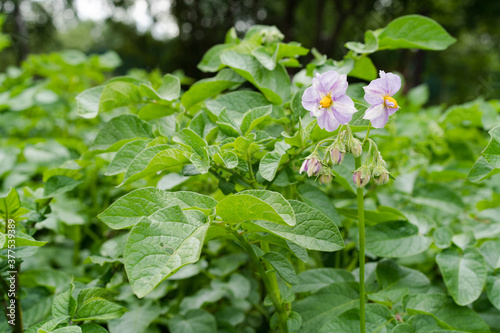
point(379, 95)
point(326, 100)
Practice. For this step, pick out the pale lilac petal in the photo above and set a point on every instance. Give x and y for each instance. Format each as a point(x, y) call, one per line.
point(378, 115)
point(375, 92)
point(392, 82)
point(327, 121)
point(310, 99)
point(339, 87)
point(343, 109)
point(391, 111)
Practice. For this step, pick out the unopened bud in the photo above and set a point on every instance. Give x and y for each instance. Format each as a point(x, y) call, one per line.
point(361, 177)
point(326, 177)
point(382, 179)
point(355, 147)
point(314, 167)
point(336, 155)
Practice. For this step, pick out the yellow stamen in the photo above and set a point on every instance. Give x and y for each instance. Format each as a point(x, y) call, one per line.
point(388, 101)
point(325, 101)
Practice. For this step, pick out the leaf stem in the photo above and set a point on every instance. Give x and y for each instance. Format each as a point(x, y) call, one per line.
point(361, 217)
point(282, 316)
point(367, 134)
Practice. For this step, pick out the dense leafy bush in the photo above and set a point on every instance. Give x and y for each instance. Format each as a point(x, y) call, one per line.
point(142, 206)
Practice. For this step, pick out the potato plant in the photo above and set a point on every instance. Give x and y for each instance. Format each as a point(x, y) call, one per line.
point(286, 192)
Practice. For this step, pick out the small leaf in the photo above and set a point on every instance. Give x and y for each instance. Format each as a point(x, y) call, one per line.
point(125, 156)
point(119, 94)
point(314, 279)
point(87, 102)
point(120, 130)
point(99, 309)
point(370, 45)
point(282, 266)
point(254, 117)
point(271, 161)
point(442, 237)
point(195, 321)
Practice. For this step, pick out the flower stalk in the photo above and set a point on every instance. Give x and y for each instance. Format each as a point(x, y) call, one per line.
point(361, 226)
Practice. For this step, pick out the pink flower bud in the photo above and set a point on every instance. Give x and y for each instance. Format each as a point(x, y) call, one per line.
point(382, 179)
point(336, 155)
point(314, 167)
point(361, 177)
point(304, 166)
point(325, 178)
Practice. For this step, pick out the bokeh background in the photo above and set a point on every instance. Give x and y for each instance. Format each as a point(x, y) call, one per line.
point(174, 34)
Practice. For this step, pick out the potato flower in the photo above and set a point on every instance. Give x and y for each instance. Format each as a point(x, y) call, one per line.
point(379, 95)
point(326, 100)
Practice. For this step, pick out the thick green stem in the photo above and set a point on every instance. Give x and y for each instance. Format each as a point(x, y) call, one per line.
point(282, 316)
point(361, 217)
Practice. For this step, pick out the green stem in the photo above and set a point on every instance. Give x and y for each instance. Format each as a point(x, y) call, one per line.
point(367, 134)
point(282, 316)
point(361, 217)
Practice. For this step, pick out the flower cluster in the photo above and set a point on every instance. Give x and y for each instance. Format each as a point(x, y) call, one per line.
point(326, 100)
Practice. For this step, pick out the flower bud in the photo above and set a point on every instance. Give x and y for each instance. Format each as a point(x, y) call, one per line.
point(314, 167)
point(326, 177)
point(304, 166)
point(361, 177)
point(336, 155)
point(355, 147)
point(382, 179)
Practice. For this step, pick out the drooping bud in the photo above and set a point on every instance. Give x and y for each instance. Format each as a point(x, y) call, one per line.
point(314, 167)
point(355, 147)
point(304, 166)
point(380, 175)
point(361, 176)
point(336, 155)
point(326, 176)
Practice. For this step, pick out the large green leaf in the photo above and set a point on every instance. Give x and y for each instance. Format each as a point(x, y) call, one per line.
point(491, 253)
point(446, 312)
point(120, 130)
point(98, 308)
point(317, 199)
point(492, 151)
point(206, 88)
point(273, 84)
point(119, 94)
point(195, 321)
point(161, 244)
point(392, 276)
point(493, 290)
point(254, 117)
point(132, 207)
point(395, 240)
point(125, 156)
point(256, 205)
point(378, 319)
point(87, 102)
point(319, 309)
point(414, 32)
point(464, 273)
point(10, 206)
point(136, 320)
point(151, 160)
point(313, 230)
point(282, 266)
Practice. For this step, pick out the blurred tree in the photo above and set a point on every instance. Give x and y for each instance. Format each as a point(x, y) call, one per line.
point(324, 24)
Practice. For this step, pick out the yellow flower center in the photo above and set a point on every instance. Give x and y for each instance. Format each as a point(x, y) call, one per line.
point(390, 102)
point(325, 101)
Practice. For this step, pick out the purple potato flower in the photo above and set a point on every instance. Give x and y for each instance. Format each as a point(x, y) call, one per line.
point(379, 95)
point(312, 166)
point(326, 100)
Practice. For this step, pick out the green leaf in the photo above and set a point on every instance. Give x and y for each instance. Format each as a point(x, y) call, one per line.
point(64, 304)
point(446, 312)
point(93, 328)
point(170, 88)
point(442, 237)
point(364, 69)
point(55, 281)
point(211, 59)
point(395, 240)
point(319, 309)
point(87, 102)
point(151, 160)
point(271, 161)
point(316, 198)
point(481, 170)
point(254, 117)
point(86, 295)
point(57, 185)
point(136, 320)
point(439, 197)
point(155, 110)
point(206, 88)
point(314, 279)
point(493, 290)
point(377, 318)
point(10, 206)
point(161, 244)
point(50, 325)
point(464, 273)
point(237, 103)
point(392, 276)
point(282, 266)
point(313, 230)
point(119, 94)
point(492, 151)
point(98, 308)
point(195, 321)
point(68, 329)
point(491, 253)
point(191, 141)
point(120, 130)
point(256, 205)
point(132, 207)
point(414, 32)
point(370, 45)
point(125, 156)
point(273, 84)
point(227, 159)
